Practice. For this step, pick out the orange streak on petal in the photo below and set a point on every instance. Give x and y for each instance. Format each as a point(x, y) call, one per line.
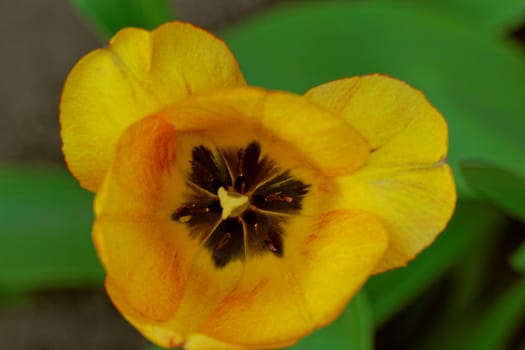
point(144, 154)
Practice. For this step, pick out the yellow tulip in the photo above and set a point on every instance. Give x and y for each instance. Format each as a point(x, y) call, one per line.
point(232, 217)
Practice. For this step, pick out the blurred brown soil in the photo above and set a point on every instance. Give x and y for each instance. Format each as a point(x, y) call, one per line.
point(74, 319)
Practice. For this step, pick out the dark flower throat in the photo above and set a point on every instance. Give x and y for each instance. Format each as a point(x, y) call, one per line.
point(273, 196)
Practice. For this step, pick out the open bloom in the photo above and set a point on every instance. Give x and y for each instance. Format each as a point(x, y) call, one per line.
point(230, 216)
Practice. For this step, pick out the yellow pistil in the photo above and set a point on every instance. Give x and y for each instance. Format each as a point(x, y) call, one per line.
point(233, 204)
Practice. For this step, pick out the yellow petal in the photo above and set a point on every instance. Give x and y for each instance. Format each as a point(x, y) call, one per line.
point(202, 342)
point(135, 182)
point(164, 281)
point(405, 181)
point(129, 228)
point(380, 108)
point(323, 140)
point(139, 73)
point(170, 311)
point(415, 204)
point(167, 285)
point(156, 273)
point(142, 264)
point(305, 290)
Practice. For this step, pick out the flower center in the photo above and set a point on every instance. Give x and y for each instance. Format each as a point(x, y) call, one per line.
point(237, 202)
point(233, 204)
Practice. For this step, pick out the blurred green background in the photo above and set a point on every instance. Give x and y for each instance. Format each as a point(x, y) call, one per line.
point(467, 291)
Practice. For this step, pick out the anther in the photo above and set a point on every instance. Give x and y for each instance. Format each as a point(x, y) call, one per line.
point(224, 240)
point(286, 199)
point(271, 246)
point(278, 197)
point(184, 214)
point(185, 218)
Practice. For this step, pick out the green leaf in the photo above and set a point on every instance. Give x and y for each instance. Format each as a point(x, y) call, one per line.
point(517, 259)
point(45, 230)
point(353, 330)
point(497, 324)
point(476, 81)
point(391, 291)
point(501, 187)
point(467, 277)
point(495, 15)
point(489, 326)
point(109, 16)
